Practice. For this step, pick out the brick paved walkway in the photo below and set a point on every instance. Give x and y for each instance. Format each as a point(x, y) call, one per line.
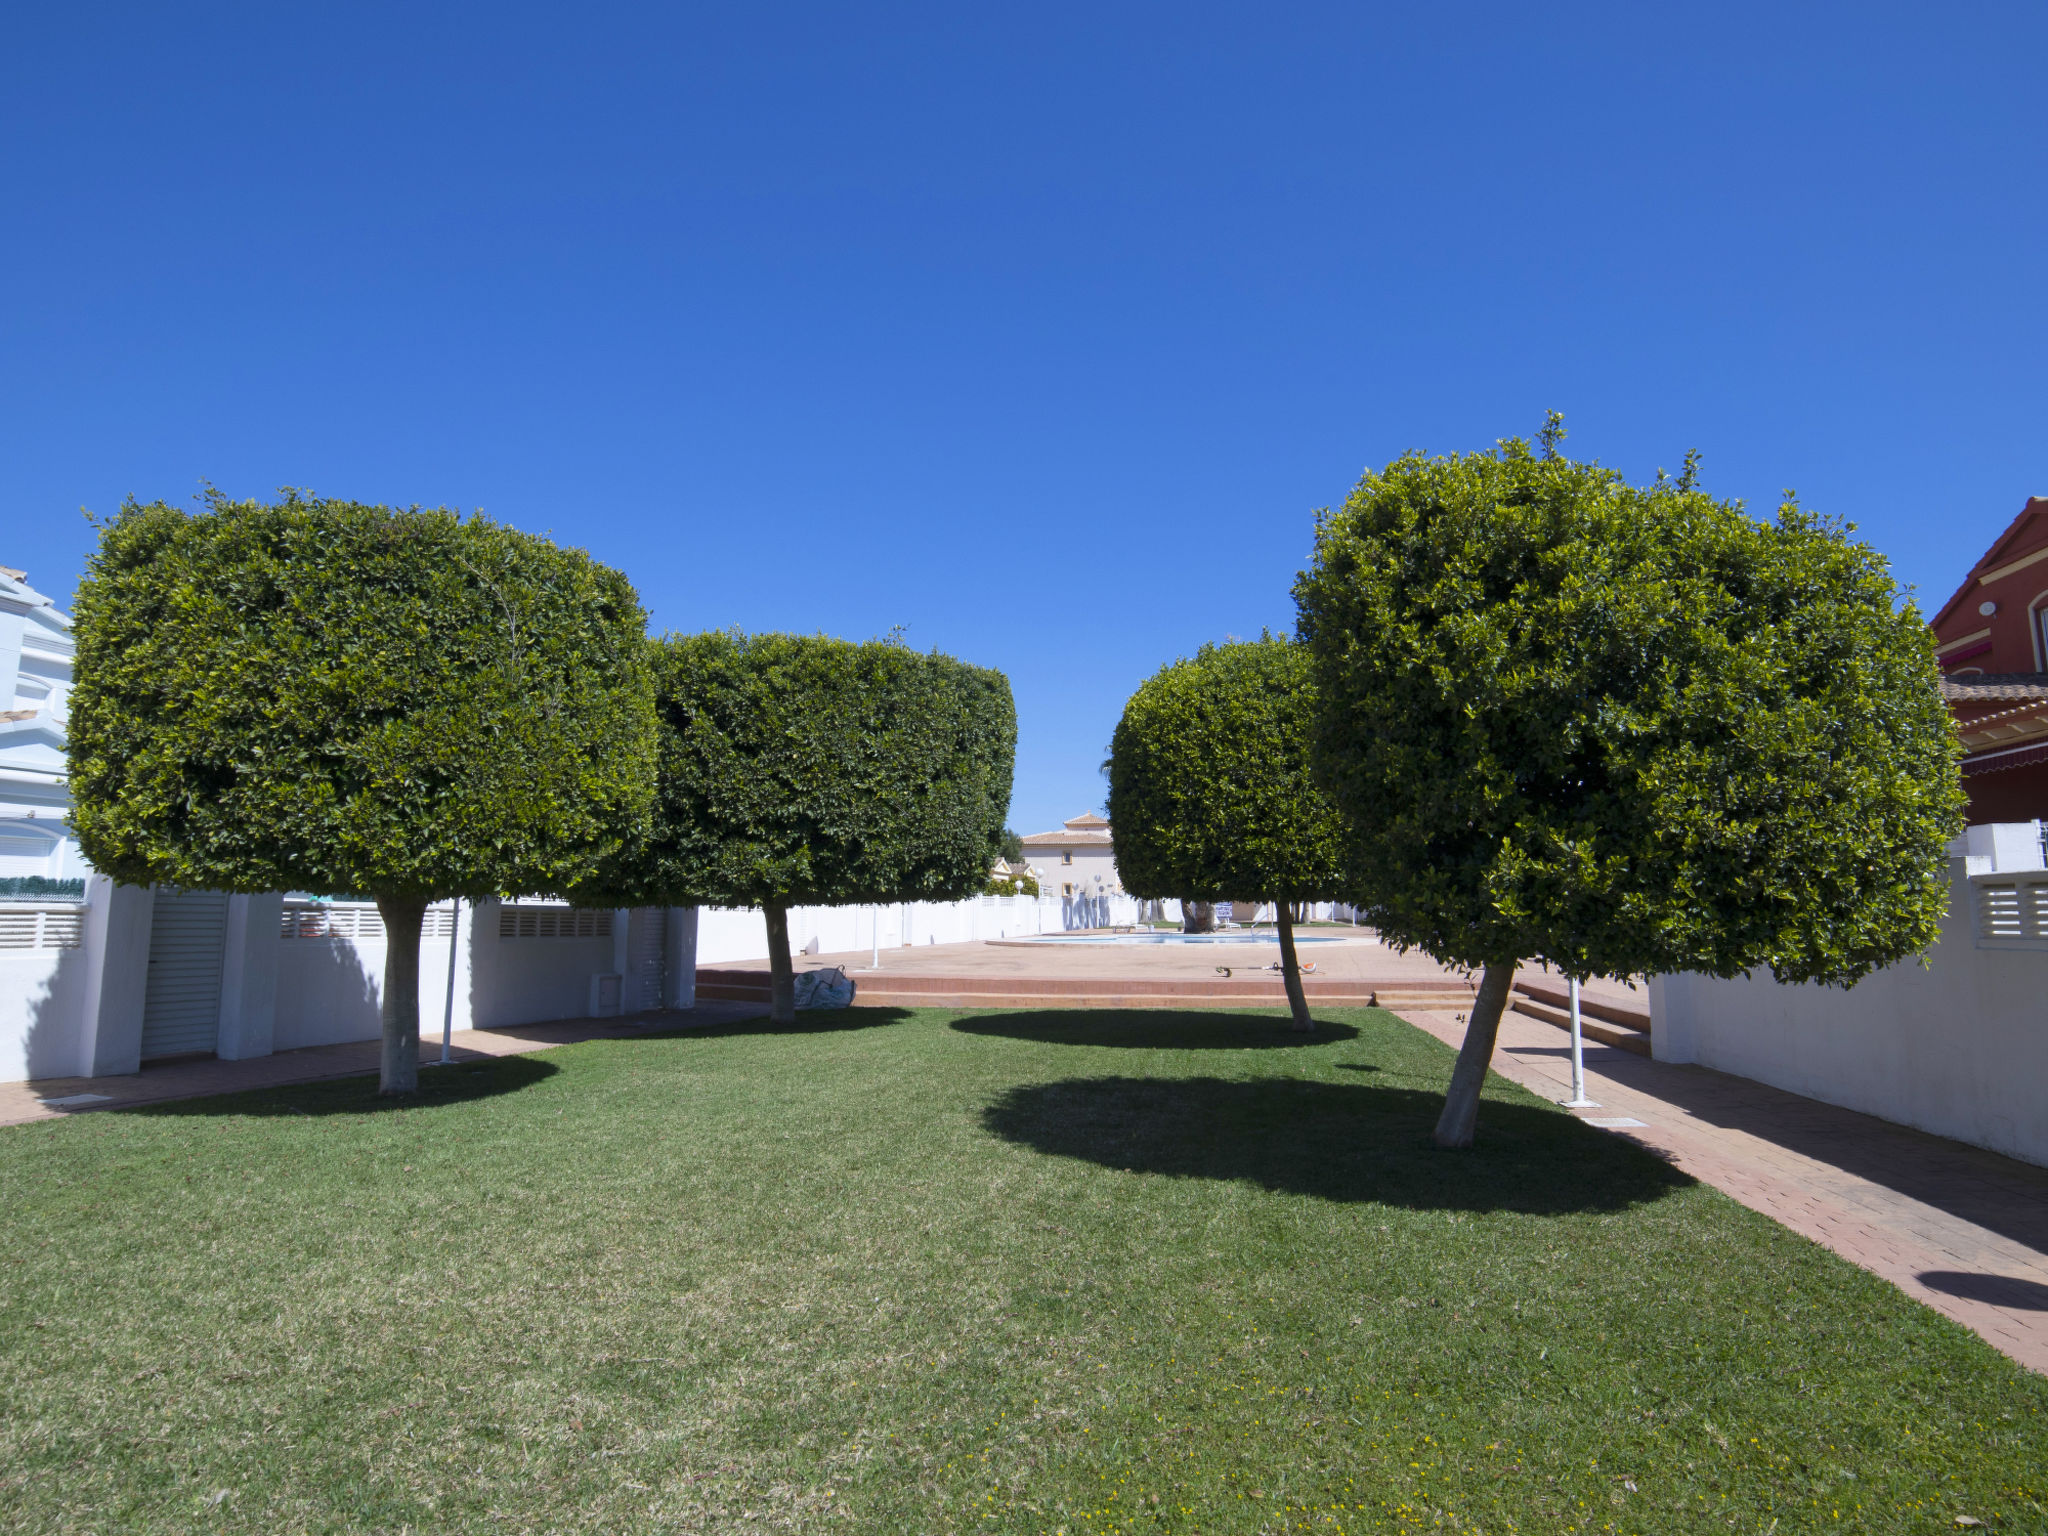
point(1961, 1229)
point(50, 1097)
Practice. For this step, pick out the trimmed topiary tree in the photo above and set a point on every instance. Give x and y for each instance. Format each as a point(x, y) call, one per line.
point(1624, 730)
point(326, 696)
point(1210, 791)
point(799, 770)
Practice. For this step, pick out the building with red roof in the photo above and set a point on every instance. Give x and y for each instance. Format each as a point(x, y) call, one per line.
point(1991, 639)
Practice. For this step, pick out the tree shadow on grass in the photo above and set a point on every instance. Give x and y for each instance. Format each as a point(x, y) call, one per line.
point(1160, 1029)
point(1343, 1142)
point(809, 1021)
point(462, 1082)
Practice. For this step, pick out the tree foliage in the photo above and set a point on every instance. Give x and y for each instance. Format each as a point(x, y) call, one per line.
point(797, 770)
point(352, 699)
point(1210, 788)
point(1625, 729)
point(1209, 785)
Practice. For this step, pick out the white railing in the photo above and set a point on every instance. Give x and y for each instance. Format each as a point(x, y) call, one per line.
point(354, 920)
point(23, 927)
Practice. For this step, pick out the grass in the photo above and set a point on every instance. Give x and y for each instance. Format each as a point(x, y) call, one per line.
point(953, 1273)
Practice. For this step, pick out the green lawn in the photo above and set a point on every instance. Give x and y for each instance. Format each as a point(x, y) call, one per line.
point(938, 1272)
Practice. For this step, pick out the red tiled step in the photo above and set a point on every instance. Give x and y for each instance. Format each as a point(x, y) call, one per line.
point(867, 997)
point(1608, 1023)
point(884, 989)
point(1558, 995)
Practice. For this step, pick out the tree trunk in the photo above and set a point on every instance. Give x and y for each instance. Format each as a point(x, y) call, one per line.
point(1290, 969)
point(398, 1065)
point(781, 974)
point(1198, 917)
point(1461, 1104)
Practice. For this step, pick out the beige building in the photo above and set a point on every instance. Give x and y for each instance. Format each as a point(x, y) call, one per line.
point(1078, 861)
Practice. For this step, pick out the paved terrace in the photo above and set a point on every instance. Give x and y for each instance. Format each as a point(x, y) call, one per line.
point(1352, 970)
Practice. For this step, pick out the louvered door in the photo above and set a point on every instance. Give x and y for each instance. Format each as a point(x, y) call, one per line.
point(181, 997)
point(646, 958)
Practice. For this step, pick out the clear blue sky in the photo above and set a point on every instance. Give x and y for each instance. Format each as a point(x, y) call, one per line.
point(1041, 334)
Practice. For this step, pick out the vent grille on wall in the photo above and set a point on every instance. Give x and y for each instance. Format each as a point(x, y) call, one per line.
point(554, 923)
point(354, 920)
point(41, 928)
point(2012, 911)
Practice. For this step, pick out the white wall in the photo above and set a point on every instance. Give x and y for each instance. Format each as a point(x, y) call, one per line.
point(71, 999)
point(41, 992)
point(77, 1011)
point(1958, 1047)
point(330, 988)
point(726, 935)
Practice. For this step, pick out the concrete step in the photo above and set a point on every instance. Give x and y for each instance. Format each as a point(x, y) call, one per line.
point(1242, 985)
point(1558, 995)
point(1628, 1038)
point(884, 989)
point(732, 991)
point(866, 997)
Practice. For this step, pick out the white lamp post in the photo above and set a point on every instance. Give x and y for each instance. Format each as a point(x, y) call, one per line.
point(1578, 1100)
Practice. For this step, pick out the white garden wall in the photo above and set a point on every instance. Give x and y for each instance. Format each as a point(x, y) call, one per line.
point(1958, 1046)
point(726, 935)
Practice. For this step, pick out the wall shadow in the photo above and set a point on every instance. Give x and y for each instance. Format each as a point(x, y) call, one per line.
point(1159, 1029)
point(1349, 1143)
point(53, 1043)
point(464, 1082)
point(327, 996)
point(1999, 1290)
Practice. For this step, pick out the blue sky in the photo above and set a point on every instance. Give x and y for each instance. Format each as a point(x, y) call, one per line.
point(1041, 334)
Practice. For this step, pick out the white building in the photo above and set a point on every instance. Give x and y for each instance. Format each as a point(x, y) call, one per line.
point(37, 855)
point(1078, 861)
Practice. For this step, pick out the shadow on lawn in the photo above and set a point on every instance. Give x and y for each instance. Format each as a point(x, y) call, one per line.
point(811, 1021)
point(460, 1083)
point(1160, 1029)
point(1345, 1142)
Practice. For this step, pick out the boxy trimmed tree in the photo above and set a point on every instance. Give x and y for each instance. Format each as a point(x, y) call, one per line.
point(797, 770)
point(1624, 730)
point(1210, 791)
point(356, 700)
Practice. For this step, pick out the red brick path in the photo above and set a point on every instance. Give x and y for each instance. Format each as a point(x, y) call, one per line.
point(1961, 1229)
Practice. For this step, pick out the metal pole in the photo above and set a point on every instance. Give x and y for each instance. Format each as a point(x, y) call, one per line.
point(448, 1013)
point(875, 933)
point(1578, 1100)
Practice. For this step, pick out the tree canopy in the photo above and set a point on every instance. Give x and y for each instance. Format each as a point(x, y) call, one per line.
point(1210, 789)
point(350, 699)
point(797, 770)
point(1623, 729)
